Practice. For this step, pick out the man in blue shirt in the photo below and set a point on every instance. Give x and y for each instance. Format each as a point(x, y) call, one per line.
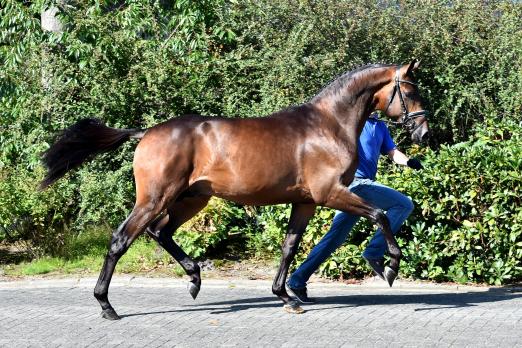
point(375, 140)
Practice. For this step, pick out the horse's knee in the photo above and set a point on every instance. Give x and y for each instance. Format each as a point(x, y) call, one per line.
point(157, 228)
point(288, 250)
point(291, 244)
point(164, 236)
point(380, 218)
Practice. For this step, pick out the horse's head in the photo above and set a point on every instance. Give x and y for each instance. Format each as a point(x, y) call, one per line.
point(400, 99)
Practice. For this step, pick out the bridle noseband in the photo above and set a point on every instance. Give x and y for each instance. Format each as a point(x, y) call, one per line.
point(407, 117)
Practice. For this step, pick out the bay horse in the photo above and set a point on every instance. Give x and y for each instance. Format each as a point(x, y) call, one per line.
point(305, 155)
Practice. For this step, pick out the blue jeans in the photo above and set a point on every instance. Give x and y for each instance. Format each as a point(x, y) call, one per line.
point(397, 206)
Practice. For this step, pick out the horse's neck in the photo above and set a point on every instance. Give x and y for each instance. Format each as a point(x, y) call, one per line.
point(352, 104)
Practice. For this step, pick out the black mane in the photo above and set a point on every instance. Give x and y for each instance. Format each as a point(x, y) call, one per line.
point(336, 84)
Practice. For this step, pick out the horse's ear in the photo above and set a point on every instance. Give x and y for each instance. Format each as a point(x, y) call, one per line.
point(414, 65)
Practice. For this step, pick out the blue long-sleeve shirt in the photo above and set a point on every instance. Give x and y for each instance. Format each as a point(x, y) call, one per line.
point(375, 140)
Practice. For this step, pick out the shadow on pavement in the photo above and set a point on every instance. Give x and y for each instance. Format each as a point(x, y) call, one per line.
point(237, 305)
point(430, 301)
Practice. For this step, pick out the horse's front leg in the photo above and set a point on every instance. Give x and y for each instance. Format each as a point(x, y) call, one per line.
point(340, 198)
point(301, 214)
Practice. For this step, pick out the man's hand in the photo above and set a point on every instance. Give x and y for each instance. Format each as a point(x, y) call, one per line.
point(414, 163)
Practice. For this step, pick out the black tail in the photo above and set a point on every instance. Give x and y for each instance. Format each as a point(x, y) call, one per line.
point(79, 143)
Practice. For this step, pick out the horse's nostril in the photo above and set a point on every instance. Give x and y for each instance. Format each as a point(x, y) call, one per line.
point(425, 136)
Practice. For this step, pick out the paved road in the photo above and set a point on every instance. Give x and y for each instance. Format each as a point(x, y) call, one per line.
point(160, 312)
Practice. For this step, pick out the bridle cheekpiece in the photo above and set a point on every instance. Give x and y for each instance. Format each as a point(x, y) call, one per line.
point(407, 117)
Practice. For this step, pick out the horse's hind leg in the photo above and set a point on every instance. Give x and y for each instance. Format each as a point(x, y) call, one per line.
point(151, 200)
point(121, 240)
point(301, 214)
point(178, 213)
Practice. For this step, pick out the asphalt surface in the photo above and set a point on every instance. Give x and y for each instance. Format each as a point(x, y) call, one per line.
point(161, 313)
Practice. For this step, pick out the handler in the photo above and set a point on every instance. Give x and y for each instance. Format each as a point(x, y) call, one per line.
point(375, 139)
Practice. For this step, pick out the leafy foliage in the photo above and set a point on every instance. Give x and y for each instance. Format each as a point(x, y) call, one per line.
point(136, 63)
point(467, 222)
point(218, 220)
point(468, 226)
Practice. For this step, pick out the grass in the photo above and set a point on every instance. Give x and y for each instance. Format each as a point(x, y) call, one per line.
point(86, 264)
point(85, 255)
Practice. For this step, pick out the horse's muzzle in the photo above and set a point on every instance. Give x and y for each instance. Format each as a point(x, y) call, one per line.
point(421, 134)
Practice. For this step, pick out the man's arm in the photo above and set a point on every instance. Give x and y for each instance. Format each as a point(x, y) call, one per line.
point(400, 158)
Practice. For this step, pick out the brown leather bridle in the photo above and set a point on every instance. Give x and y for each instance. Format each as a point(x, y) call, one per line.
point(407, 117)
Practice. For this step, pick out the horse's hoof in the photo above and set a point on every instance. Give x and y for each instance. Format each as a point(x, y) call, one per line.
point(293, 307)
point(193, 290)
point(389, 275)
point(110, 314)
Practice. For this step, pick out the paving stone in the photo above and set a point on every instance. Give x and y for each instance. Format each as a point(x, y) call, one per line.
point(161, 313)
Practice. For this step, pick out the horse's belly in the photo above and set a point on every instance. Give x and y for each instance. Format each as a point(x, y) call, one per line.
point(266, 198)
point(253, 190)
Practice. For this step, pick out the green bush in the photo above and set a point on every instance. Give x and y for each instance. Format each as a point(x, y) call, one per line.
point(467, 226)
point(27, 214)
point(140, 63)
point(467, 222)
point(213, 225)
point(344, 263)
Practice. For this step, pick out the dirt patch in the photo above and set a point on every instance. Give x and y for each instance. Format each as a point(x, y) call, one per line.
point(243, 269)
point(10, 254)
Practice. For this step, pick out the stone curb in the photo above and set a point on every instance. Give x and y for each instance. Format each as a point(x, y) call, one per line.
point(140, 281)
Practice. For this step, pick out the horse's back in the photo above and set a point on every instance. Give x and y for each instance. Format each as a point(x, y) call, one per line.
point(254, 160)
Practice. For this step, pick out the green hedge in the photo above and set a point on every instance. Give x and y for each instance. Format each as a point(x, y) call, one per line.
point(467, 222)
point(468, 225)
point(143, 62)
